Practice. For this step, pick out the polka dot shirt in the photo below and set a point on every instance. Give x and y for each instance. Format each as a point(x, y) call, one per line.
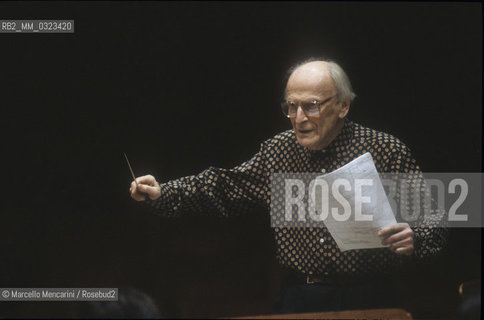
point(307, 251)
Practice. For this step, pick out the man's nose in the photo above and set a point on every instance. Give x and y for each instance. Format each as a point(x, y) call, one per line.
point(300, 115)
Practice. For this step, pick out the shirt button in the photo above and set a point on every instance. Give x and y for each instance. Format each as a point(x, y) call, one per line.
point(321, 240)
point(323, 170)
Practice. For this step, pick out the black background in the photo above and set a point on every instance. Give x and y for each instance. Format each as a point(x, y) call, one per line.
point(182, 86)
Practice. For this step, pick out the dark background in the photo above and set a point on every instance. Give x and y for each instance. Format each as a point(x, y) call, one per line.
point(182, 86)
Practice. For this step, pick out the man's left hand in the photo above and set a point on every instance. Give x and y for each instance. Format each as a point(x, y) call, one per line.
point(400, 238)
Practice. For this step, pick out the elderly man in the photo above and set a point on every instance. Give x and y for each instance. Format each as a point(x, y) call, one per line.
point(320, 277)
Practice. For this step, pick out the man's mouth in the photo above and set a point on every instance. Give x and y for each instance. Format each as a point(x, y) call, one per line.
point(304, 130)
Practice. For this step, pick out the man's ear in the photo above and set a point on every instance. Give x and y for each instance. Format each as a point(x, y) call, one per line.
point(344, 108)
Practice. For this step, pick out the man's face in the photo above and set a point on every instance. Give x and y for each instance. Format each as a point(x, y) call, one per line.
point(308, 83)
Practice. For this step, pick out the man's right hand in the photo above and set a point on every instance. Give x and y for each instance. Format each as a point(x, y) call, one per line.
point(147, 186)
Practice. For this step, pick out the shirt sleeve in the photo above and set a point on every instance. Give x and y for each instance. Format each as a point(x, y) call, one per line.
point(217, 191)
point(430, 231)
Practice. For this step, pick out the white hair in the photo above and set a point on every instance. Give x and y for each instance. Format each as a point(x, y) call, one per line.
point(341, 81)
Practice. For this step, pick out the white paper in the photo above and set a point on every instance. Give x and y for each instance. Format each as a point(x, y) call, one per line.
point(355, 233)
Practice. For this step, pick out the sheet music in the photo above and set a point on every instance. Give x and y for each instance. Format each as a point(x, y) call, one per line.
point(355, 233)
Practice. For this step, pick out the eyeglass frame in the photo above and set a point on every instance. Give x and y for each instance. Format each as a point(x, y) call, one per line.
point(305, 106)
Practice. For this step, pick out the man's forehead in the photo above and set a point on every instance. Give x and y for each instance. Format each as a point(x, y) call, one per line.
point(313, 76)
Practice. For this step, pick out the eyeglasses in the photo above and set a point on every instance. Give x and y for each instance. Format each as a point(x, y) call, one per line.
point(310, 109)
